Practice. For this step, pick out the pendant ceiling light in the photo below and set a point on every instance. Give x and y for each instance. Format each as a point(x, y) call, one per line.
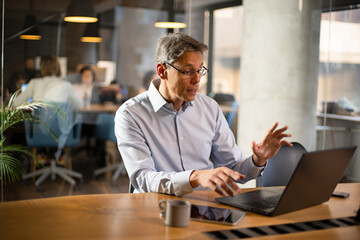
point(80, 11)
point(91, 33)
point(170, 23)
point(30, 29)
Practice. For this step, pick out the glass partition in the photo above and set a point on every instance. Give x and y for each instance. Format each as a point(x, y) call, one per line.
point(313, 45)
point(296, 62)
point(227, 42)
point(338, 101)
point(2, 97)
point(120, 61)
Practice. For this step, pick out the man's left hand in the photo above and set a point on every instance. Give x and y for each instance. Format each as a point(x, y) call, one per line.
point(270, 145)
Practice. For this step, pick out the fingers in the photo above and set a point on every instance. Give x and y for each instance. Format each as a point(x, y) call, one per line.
point(222, 187)
point(253, 146)
point(216, 188)
point(282, 135)
point(225, 185)
point(279, 133)
point(221, 180)
point(280, 130)
point(273, 127)
point(232, 174)
point(271, 142)
point(284, 142)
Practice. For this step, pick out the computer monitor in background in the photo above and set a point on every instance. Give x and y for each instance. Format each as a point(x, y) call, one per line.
point(109, 68)
point(100, 74)
point(23, 87)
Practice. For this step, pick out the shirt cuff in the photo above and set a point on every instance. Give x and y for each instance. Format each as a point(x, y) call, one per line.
point(182, 184)
point(253, 171)
point(252, 159)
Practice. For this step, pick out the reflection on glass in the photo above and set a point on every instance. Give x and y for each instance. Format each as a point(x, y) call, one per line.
point(338, 101)
point(126, 55)
point(123, 57)
point(340, 60)
point(227, 50)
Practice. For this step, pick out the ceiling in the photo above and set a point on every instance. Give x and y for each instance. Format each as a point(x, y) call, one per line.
point(44, 8)
point(17, 9)
point(340, 4)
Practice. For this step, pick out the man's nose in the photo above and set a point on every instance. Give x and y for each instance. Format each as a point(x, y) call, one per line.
point(196, 77)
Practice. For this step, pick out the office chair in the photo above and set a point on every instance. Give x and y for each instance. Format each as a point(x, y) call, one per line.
point(39, 134)
point(228, 100)
point(131, 188)
point(279, 169)
point(105, 132)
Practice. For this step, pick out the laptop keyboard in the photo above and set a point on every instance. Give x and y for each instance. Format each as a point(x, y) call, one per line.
point(265, 203)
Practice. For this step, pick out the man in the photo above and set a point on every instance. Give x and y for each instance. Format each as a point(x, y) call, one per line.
point(173, 139)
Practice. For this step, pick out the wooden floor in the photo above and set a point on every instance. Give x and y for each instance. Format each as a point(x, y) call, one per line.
point(84, 162)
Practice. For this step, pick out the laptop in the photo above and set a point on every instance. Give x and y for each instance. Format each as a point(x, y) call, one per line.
point(312, 182)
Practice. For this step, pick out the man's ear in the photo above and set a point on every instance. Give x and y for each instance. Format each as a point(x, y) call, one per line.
point(161, 70)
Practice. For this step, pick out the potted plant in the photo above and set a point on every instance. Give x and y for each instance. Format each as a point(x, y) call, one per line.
point(11, 168)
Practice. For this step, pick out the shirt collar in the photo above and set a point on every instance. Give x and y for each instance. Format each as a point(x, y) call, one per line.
point(157, 101)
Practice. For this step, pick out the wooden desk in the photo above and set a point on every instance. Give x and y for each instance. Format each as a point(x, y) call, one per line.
point(136, 216)
point(100, 108)
point(91, 113)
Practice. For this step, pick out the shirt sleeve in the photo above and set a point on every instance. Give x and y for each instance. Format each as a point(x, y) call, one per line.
point(226, 153)
point(139, 163)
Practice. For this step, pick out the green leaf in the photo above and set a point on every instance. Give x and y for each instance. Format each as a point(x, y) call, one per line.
point(10, 166)
point(11, 169)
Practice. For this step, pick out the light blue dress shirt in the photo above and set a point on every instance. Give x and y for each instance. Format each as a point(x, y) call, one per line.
point(161, 147)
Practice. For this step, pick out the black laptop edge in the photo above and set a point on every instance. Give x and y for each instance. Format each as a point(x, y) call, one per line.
point(275, 210)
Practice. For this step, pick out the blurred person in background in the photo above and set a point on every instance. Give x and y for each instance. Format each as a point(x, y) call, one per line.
point(16, 81)
point(111, 94)
point(85, 89)
point(50, 87)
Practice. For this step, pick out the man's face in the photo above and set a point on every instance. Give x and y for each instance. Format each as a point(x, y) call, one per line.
point(180, 87)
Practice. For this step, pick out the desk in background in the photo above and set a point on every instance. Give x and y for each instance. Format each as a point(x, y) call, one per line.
point(339, 131)
point(136, 216)
point(100, 108)
point(339, 117)
point(90, 115)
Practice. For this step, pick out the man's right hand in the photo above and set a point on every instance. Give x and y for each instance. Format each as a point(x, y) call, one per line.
point(221, 180)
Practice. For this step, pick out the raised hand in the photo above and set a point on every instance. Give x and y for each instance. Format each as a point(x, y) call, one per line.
point(270, 145)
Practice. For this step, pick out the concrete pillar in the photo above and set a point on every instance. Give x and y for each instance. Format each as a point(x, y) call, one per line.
point(279, 70)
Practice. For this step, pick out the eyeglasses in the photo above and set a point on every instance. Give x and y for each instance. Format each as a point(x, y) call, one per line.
point(190, 73)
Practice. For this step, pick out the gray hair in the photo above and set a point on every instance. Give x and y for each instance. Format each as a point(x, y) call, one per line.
point(174, 45)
